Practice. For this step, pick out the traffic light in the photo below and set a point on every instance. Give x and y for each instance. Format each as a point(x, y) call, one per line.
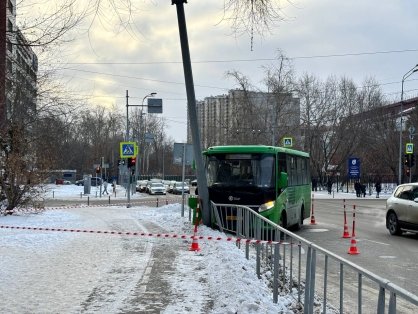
point(97, 169)
point(408, 172)
point(407, 160)
point(131, 162)
point(121, 162)
point(412, 161)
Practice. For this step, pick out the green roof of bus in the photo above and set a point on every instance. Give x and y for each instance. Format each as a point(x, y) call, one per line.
point(252, 149)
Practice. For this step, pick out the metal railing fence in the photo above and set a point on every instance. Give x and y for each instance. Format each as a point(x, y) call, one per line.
point(318, 279)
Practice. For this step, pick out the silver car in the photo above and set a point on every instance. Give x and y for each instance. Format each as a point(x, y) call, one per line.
point(156, 188)
point(402, 209)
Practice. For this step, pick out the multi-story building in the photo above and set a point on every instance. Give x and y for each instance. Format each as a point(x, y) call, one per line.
point(18, 68)
point(247, 117)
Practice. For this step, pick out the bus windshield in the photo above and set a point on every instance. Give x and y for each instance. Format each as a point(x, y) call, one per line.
point(236, 169)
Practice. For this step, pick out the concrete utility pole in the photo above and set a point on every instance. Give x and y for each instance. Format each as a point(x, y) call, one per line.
point(191, 106)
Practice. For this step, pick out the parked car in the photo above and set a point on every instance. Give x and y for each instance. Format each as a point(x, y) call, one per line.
point(141, 186)
point(96, 181)
point(79, 182)
point(156, 188)
point(170, 186)
point(402, 209)
point(179, 187)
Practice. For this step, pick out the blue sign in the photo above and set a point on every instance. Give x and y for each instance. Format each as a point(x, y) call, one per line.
point(127, 149)
point(354, 168)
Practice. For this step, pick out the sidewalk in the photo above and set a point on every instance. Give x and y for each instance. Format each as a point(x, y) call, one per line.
point(350, 195)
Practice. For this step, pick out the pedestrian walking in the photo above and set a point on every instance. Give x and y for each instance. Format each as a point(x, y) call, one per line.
point(357, 187)
point(114, 186)
point(105, 187)
point(314, 184)
point(329, 186)
point(378, 188)
point(363, 190)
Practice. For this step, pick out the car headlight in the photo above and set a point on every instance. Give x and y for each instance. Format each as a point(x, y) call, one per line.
point(266, 206)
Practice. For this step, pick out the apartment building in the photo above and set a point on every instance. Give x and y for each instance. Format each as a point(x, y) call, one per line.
point(18, 68)
point(247, 117)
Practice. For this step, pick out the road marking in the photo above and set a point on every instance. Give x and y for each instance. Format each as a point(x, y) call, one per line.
point(317, 230)
point(387, 256)
point(374, 242)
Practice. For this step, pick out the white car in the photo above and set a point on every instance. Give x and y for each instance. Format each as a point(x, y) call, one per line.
point(402, 209)
point(156, 188)
point(179, 187)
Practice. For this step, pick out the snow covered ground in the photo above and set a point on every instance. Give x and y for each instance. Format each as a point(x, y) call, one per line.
point(68, 272)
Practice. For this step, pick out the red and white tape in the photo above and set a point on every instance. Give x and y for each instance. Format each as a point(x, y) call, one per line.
point(144, 234)
point(33, 209)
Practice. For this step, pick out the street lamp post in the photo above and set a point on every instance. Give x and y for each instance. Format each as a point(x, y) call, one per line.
point(140, 126)
point(406, 75)
point(127, 139)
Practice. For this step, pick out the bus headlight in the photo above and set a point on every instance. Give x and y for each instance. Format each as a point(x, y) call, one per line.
point(266, 206)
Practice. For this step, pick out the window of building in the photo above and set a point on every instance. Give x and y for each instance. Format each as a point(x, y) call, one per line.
point(10, 6)
point(9, 26)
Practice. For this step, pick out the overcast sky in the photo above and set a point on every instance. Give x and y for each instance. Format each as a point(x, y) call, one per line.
point(374, 38)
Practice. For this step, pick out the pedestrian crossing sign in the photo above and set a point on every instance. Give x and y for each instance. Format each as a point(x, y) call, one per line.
point(128, 149)
point(287, 142)
point(409, 148)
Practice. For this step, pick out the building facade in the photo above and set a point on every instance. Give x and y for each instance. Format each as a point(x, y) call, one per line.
point(19, 66)
point(246, 117)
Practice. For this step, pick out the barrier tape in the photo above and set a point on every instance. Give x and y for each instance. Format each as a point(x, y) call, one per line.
point(152, 235)
point(38, 209)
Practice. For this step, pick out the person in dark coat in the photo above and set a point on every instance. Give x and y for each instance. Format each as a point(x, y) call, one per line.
point(378, 188)
point(314, 185)
point(329, 186)
point(363, 190)
point(357, 187)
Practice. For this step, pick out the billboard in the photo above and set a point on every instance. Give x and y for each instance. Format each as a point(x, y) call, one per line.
point(354, 170)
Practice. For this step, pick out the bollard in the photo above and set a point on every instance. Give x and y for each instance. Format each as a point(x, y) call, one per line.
point(53, 194)
point(88, 200)
point(109, 199)
point(346, 233)
point(81, 194)
point(157, 201)
point(313, 222)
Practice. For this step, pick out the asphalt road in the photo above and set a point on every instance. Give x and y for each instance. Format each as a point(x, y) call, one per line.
point(390, 257)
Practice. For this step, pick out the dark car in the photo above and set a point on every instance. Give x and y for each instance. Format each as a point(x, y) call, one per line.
point(402, 209)
point(96, 181)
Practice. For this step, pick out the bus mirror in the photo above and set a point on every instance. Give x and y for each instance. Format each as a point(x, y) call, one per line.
point(282, 180)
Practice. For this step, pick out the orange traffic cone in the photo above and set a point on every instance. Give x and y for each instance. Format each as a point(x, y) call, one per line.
point(353, 248)
point(195, 245)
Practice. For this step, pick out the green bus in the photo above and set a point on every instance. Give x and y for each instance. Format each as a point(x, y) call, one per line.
point(273, 181)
